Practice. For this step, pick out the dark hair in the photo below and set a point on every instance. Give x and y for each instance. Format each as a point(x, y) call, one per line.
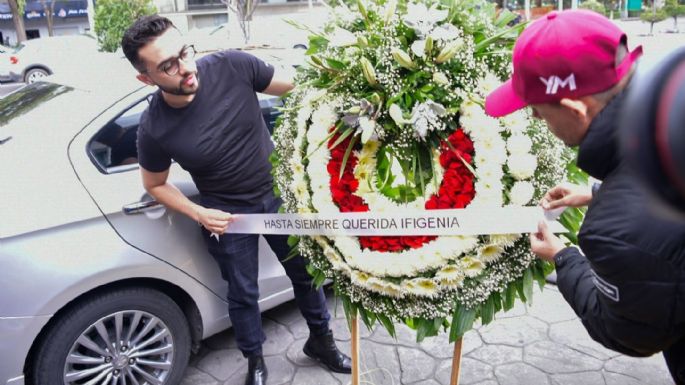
point(140, 33)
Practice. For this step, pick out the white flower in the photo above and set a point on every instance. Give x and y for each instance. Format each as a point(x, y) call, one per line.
point(368, 127)
point(516, 122)
point(472, 267)
point(445, 32)
point(396, 114)
point(489, 83)
point(342, 38)
point(522, 166)
point(521, 193)
point(504, 240)
point(490, 253)
point(519, 144)
point(424, 287)
point(323, 118)
point(450, 275)
point(440, 78)
point(418, 47)
point(423, 19)
point(426, 117)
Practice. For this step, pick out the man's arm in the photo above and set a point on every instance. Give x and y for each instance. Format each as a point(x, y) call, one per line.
point(155, 183)
point(280, 84)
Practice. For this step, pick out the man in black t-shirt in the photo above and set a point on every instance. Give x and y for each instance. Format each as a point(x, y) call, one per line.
point(216, 132)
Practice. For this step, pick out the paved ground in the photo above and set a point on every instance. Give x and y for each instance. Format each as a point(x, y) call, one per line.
point(544, 344)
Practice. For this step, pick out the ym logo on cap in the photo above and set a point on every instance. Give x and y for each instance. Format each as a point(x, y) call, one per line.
point(554, 82)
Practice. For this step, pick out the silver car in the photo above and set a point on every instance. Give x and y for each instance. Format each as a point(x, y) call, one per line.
point(99, 284)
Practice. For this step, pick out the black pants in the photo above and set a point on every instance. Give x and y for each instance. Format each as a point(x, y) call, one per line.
point(237, 256)
point(675, 359)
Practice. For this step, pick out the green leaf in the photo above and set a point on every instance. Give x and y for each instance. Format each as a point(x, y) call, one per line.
point(514, 31)
point(487, 313)
point(336, 64)
point(368, 317)
point(528, 285)
point(387, 323)
point(462, 321)
point(353, 142)
point(293, 240)
point(342, 137)
point(509, 297)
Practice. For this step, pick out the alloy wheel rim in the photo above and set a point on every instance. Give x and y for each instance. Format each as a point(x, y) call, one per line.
point(34, 77)
point(125, 348)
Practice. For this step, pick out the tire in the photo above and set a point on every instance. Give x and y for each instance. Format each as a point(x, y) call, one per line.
point(158, 349)
point(35, 74)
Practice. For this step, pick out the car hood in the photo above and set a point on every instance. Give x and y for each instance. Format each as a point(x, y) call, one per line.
point(39, 188)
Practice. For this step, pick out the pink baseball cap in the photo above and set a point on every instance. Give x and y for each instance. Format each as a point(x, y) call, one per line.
point(565, 54)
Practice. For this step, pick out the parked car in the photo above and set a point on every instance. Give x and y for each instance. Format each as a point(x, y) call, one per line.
point(99, 283)
point(5, 53)
point(37, 58)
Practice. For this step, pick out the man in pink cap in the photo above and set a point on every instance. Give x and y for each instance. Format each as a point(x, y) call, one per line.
point(626, 282)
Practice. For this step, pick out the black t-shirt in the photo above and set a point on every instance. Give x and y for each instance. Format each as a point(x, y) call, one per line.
point(220, 138)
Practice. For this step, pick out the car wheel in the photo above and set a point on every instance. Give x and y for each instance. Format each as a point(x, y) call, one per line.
point(34, 75)
point(126, 336)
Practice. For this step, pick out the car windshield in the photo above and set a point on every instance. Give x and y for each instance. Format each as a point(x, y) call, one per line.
point(27, 98)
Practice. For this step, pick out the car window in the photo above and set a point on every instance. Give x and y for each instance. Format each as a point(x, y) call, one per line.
point(113, 148)
point(27, 98)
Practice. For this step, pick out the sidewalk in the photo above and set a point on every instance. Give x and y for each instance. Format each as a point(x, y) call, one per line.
point(544, 344)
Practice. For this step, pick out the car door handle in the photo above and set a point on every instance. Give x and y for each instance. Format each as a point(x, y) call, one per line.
point(139, 207)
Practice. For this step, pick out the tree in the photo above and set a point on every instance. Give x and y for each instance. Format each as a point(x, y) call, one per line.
point(673, 9)
point(49, 10)
point(593, 5)
point(243, 10)
point(113, 17)
point(655, 16)
point(17, 9)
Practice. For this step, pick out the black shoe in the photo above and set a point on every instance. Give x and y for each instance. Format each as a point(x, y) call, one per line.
point(322, 348)
point(256, 371)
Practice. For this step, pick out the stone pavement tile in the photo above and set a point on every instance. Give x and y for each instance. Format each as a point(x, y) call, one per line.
point(415, 365)
point(550, 306)
point(278, 338)
point(554, 358)
point(440, 347)
point(520, 374)
point(487, 382)
point(620, 379)
point(472, 371)
point(518, 310)
point(299, 329)
point(221, 364)
point(196, 377)
point(297, 356)
point(651, 370)
point(426, 382)
point(517, 331)
point(584, 378)
point(285, 314)
point(219, 341)
point(379, 364)
point(280, 372)
point(573, 334)
point(497, 354)
point(404, 334)
point(313, 376)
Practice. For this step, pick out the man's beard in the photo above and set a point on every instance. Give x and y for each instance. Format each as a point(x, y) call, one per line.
point(180, 90)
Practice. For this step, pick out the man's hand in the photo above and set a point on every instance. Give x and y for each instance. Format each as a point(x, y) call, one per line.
point(544, 243)
point(568, 195)
point(215, 221)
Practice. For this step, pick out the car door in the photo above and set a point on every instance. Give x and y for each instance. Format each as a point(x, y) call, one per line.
point(105, 158)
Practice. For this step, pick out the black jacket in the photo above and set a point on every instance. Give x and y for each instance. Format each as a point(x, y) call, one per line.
point(629, 287)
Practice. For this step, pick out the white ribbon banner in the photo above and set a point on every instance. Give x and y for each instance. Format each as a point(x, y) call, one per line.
point(469, 221)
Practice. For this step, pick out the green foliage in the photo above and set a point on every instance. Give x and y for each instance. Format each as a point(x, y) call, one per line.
point(113, 17)
point(594, 5)
point(652, 16)
point(674, 9)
